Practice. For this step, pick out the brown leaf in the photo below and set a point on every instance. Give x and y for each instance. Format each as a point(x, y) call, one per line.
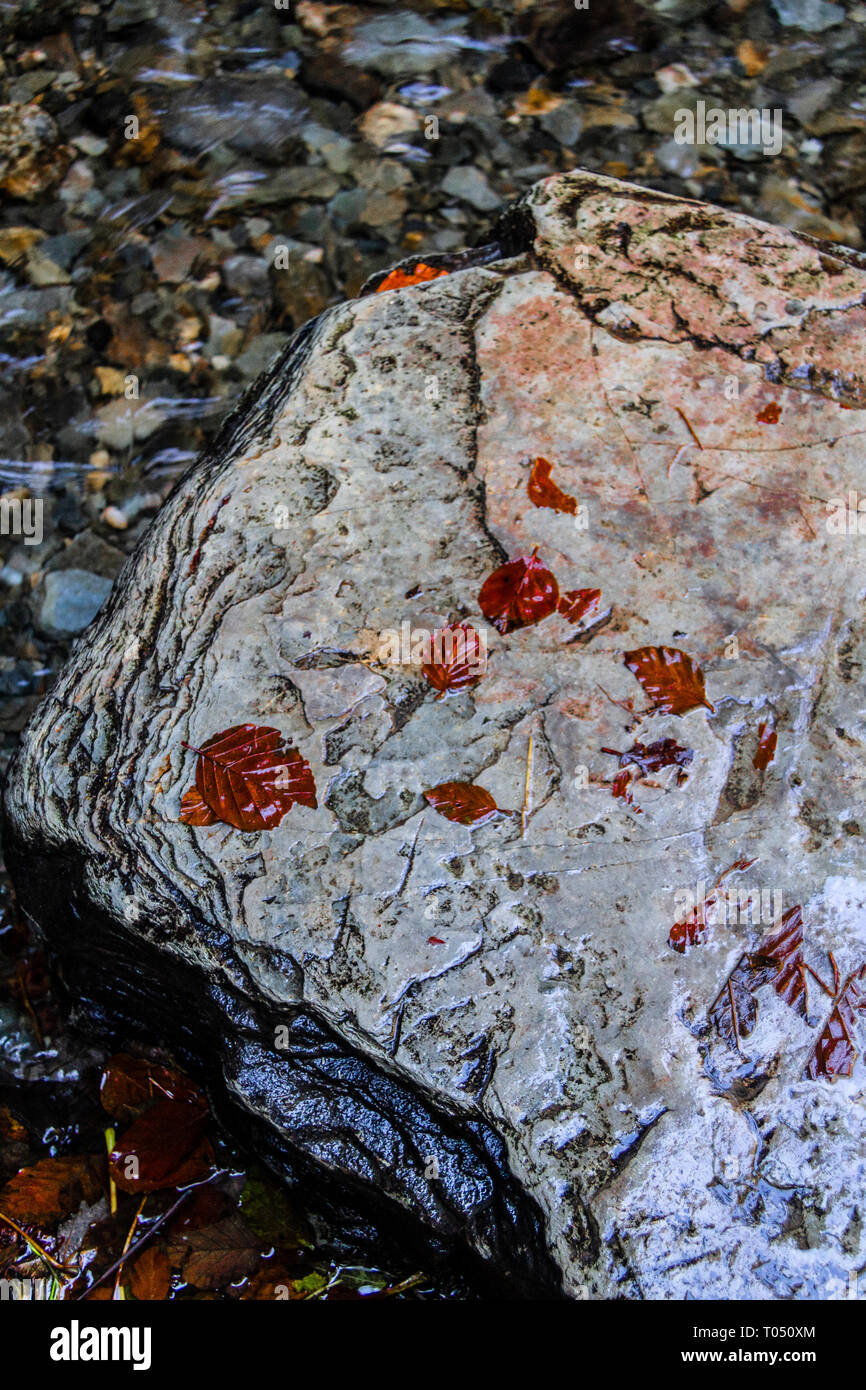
point(463, 660)
point(249, 779)
point(217, 1255)
point(577, 603)
point(462, 802)
point(835, 1051)
point(149, 1275)
point(52, 1189)
point(672, 680)
point(518, 594)
point(130, 1084)
point(543, 492)
point(770, 415)
point(169, 1147)
point(734, 1011)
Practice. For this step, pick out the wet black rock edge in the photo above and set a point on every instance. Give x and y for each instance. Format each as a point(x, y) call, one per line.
point(317, 1112)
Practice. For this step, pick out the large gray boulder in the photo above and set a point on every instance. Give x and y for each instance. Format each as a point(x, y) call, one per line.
point(486, 1027)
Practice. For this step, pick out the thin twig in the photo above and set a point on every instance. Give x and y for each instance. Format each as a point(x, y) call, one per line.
point(34, 1245)
point(160, 1221)
point(136, 1247)
point(688, 426)
point(527, 787)
point(826, 988)
point(620, 704)
point(734, 1015)
point(412, 1282)
point(125, 1251)
point(410, 859)
point(845, 1030)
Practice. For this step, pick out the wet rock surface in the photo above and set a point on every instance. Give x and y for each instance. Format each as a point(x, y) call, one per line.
point(503, 998)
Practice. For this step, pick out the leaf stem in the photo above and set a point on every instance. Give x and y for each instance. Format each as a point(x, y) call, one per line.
point(814, 973)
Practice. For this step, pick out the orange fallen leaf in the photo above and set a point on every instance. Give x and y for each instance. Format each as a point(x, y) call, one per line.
point(575, 604)
point(400, 279)
point(52, 1189)
point(673, 681)
point(766, 752)
point(149, 1275)
point(543, 492)
point(462, 802)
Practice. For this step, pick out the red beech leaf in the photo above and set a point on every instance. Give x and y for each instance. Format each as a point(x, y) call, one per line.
point(435, 941)
point(464, 667)
point(462, 802)
point(835, 1051)
point(195, 811)
point(783, 948)
point(544, 492)
point(130, 1084)
point(577, 603)
point(169, 1147)
point(770, 415)
point(621, 787)
point(249, 779)
point(672, 680)
point(767, 739)
point(518, 594)
point(400, 279)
